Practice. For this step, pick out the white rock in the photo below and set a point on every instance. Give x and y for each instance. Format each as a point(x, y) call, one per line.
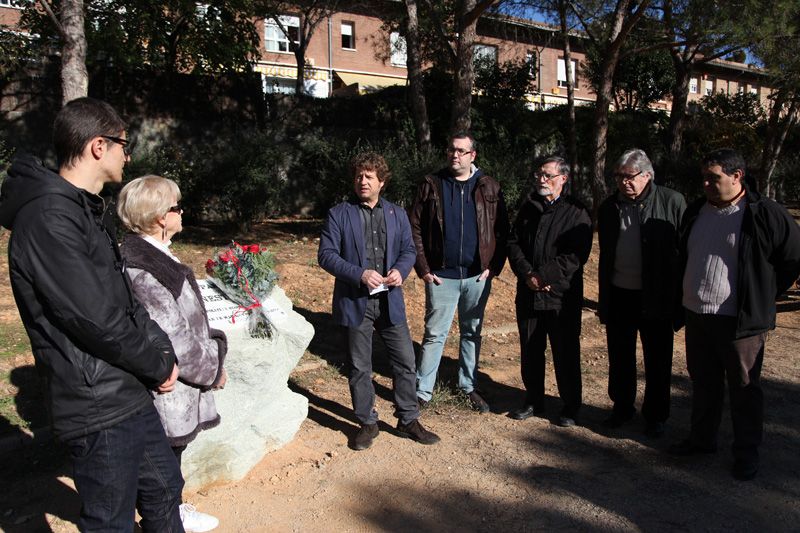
point(259, 413)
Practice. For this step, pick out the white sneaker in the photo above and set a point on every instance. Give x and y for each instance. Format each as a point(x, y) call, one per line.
point(196, 522)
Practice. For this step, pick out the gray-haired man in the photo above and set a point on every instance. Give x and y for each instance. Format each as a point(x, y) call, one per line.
point(639, 276)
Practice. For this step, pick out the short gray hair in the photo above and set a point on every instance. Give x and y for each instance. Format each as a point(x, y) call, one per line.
point(638, 159)
point(563, 166)
point(145, 200)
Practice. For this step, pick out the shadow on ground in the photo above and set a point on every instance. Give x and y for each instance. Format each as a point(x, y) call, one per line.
point(33, 496)
point(565, 480)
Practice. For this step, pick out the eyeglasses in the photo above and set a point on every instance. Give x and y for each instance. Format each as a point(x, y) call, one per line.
point(127, 146)
point(549, 177)
point(460, 151)
point(627, 177)
point(178, 208)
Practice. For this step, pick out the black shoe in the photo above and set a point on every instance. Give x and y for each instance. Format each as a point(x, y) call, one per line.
point(617, 420)
point(478, 403)
point(566, 421)
point(654, 430)
point(687, 447)
point(365, 436)
point(526, 411)
point(422, 403)
point(745, 470)
point(414, 431)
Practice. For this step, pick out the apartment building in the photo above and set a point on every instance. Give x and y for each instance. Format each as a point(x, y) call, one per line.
point(10, 11)
point(353, 52)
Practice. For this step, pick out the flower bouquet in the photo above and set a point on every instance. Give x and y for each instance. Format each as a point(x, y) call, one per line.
point(246, 274)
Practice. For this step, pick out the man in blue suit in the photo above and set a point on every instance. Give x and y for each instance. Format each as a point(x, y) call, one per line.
point(366, 244)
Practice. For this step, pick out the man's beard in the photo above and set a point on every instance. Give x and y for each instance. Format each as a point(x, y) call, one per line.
point(543, 191)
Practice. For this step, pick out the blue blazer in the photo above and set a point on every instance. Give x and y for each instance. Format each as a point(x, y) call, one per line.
point(343, 254)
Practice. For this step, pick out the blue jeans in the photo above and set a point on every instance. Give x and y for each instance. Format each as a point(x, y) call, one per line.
point(128, 466)
point(469, 296)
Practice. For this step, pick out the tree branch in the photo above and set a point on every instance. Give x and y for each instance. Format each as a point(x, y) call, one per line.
point(439, 26)
point(46, 6)
point(475, 13)
point(584, 23)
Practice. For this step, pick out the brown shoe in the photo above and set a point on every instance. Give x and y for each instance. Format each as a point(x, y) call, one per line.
point(414, 431)
point(365, 436)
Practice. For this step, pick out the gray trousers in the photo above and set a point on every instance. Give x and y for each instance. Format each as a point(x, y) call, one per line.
point(400, 350)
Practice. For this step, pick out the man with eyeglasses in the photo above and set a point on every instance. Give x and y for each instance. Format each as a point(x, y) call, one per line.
point(460, 228)
point(638, 280)
point(99, 353)
point(550, 242)
point(740, 251)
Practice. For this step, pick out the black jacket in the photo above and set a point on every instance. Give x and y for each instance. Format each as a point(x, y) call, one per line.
point(95, 347)
point(660, 213)
point(553, 242)
point(427, 224)
point(768, 263)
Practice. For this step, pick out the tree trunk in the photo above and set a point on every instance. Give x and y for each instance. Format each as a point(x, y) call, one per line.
point(777, 130)
point(74, 76)
point(677, 117)
point(419, 110)
point(600, 129)
point(463, 82)
point(572, 130)
point(300, 58)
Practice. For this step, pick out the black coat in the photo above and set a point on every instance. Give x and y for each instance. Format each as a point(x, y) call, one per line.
point(768, 262)
point(660, 213)
point(95, 346)
point(553, 242)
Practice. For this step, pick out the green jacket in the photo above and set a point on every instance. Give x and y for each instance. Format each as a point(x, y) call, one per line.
point(660, 213)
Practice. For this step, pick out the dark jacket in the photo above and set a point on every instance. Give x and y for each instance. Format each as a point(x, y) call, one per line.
point(169, 292)
point(342, 253)
point(427, 224)
point(95, 347)
point(552, 241)
point(768, 264)
point(660, 213)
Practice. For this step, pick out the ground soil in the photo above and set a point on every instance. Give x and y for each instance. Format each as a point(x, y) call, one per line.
point(489, 472)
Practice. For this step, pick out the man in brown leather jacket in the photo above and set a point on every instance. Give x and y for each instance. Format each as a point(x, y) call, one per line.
point(460, 227)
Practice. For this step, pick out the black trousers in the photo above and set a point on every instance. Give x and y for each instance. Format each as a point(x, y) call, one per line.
point(712, 354)
point(625, 322)
point(400, 350)
point(563, 328)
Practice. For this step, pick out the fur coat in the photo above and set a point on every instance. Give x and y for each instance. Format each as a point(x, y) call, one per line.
point(169, 292)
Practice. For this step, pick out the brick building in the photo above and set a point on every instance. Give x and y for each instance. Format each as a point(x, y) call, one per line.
point(352, 52)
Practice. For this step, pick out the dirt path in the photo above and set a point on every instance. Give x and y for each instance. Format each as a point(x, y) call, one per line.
point(489, 473)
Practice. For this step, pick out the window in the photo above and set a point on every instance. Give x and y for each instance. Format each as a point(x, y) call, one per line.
point(693, 85)
point(348, 35)
point(484, 54)
point(19, 4)
point(277, 41)
point(754, 89)
point(740, 88)
point(397, 46)
point(708, 86)
point(532, 61)
point(562, 72)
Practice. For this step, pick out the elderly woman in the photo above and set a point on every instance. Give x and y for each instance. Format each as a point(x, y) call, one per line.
point(149, 209)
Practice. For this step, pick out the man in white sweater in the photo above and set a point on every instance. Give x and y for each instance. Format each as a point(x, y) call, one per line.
point(740, 252)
